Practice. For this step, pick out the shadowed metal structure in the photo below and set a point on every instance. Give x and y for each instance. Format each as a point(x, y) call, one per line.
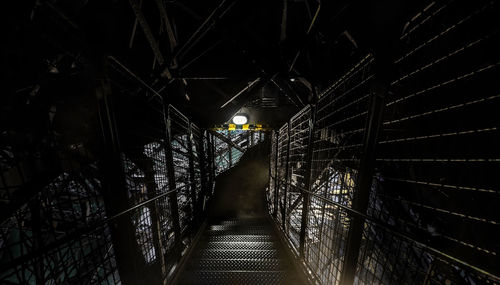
point(369, 153)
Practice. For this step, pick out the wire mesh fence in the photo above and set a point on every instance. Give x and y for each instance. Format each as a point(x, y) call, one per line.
point(81, 216)
point(34, 240)
point(430, 216)
point(230, 146)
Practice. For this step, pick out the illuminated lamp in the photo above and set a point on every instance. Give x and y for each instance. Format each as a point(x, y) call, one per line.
point(240, 119)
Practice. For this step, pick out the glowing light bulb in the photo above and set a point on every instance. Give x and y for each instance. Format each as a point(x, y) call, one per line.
point(240, 119)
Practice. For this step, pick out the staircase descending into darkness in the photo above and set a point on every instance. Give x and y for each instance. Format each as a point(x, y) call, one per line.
point(238, 244)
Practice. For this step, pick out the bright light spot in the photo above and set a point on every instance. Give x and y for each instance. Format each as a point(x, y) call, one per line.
point(240, 119)
point(292, 79)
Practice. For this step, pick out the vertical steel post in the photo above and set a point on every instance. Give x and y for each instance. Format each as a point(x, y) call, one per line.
point(287, 178)
point(276, 176)
point(210, 163)
point(229, 150)
point(130, 261)
point(271, 179)
point(214, 153)
point(363, 185)
point(323, 209)
point(307, 178)
point(152, 191)
point(169, 158)
point(36, 227)
point(203, 171)
point(192, 178)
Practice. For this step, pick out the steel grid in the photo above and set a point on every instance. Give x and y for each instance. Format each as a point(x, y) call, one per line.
point(434, 187)
point(228, 154)
point(71, 202)
point(63, 233)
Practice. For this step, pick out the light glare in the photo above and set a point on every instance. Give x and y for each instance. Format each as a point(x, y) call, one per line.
point(240, 120)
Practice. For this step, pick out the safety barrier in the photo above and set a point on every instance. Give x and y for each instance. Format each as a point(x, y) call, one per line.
point(397, 185)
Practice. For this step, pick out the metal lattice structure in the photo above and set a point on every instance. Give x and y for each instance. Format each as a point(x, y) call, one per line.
point(230, 146)
point(413, 203)
point(122, 215)
point(40, 241)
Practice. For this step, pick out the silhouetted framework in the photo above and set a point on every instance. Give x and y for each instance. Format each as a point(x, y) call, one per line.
point(230, 145)
point(124, 214)
point(403, 180)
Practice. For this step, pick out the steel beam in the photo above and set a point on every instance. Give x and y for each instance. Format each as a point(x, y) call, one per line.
point(305, 194)
point(130, 261)
point(174, 207)
point(226, 140)
point(203, 171)
point(149, 176)
point(276, 178)
point(230, 150)
point(287, 178)
point(210, 163)
point(203, 28)
point(213, 160)
point(192, 177)
point(248, 87)
point(149, 36)
point(363, 185)
point(284, 15)
point(168, 26)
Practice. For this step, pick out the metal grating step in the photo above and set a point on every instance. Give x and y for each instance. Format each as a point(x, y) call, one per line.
point(237, 254)
point(257, 222)
point(237, 232)
point(240, 238)
point(240, 245)
point(235, 277)
point(236, 265)
point(238, 227)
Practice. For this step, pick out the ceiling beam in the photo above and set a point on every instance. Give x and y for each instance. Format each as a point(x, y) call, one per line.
point(284, 20)
point(204, 28)
point(168, 26)
point(307, 34)
point(186, 65)
point(147, 31)
point(149, 35)
point(248, 87)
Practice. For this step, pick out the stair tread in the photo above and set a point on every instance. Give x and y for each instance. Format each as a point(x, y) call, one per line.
point(238, 252)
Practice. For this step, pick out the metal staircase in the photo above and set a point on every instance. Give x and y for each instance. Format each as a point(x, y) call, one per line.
point(239, 251)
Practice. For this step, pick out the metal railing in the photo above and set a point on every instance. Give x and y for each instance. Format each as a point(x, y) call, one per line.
point(121, 212)
point(399, 186)
point(230, 146)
